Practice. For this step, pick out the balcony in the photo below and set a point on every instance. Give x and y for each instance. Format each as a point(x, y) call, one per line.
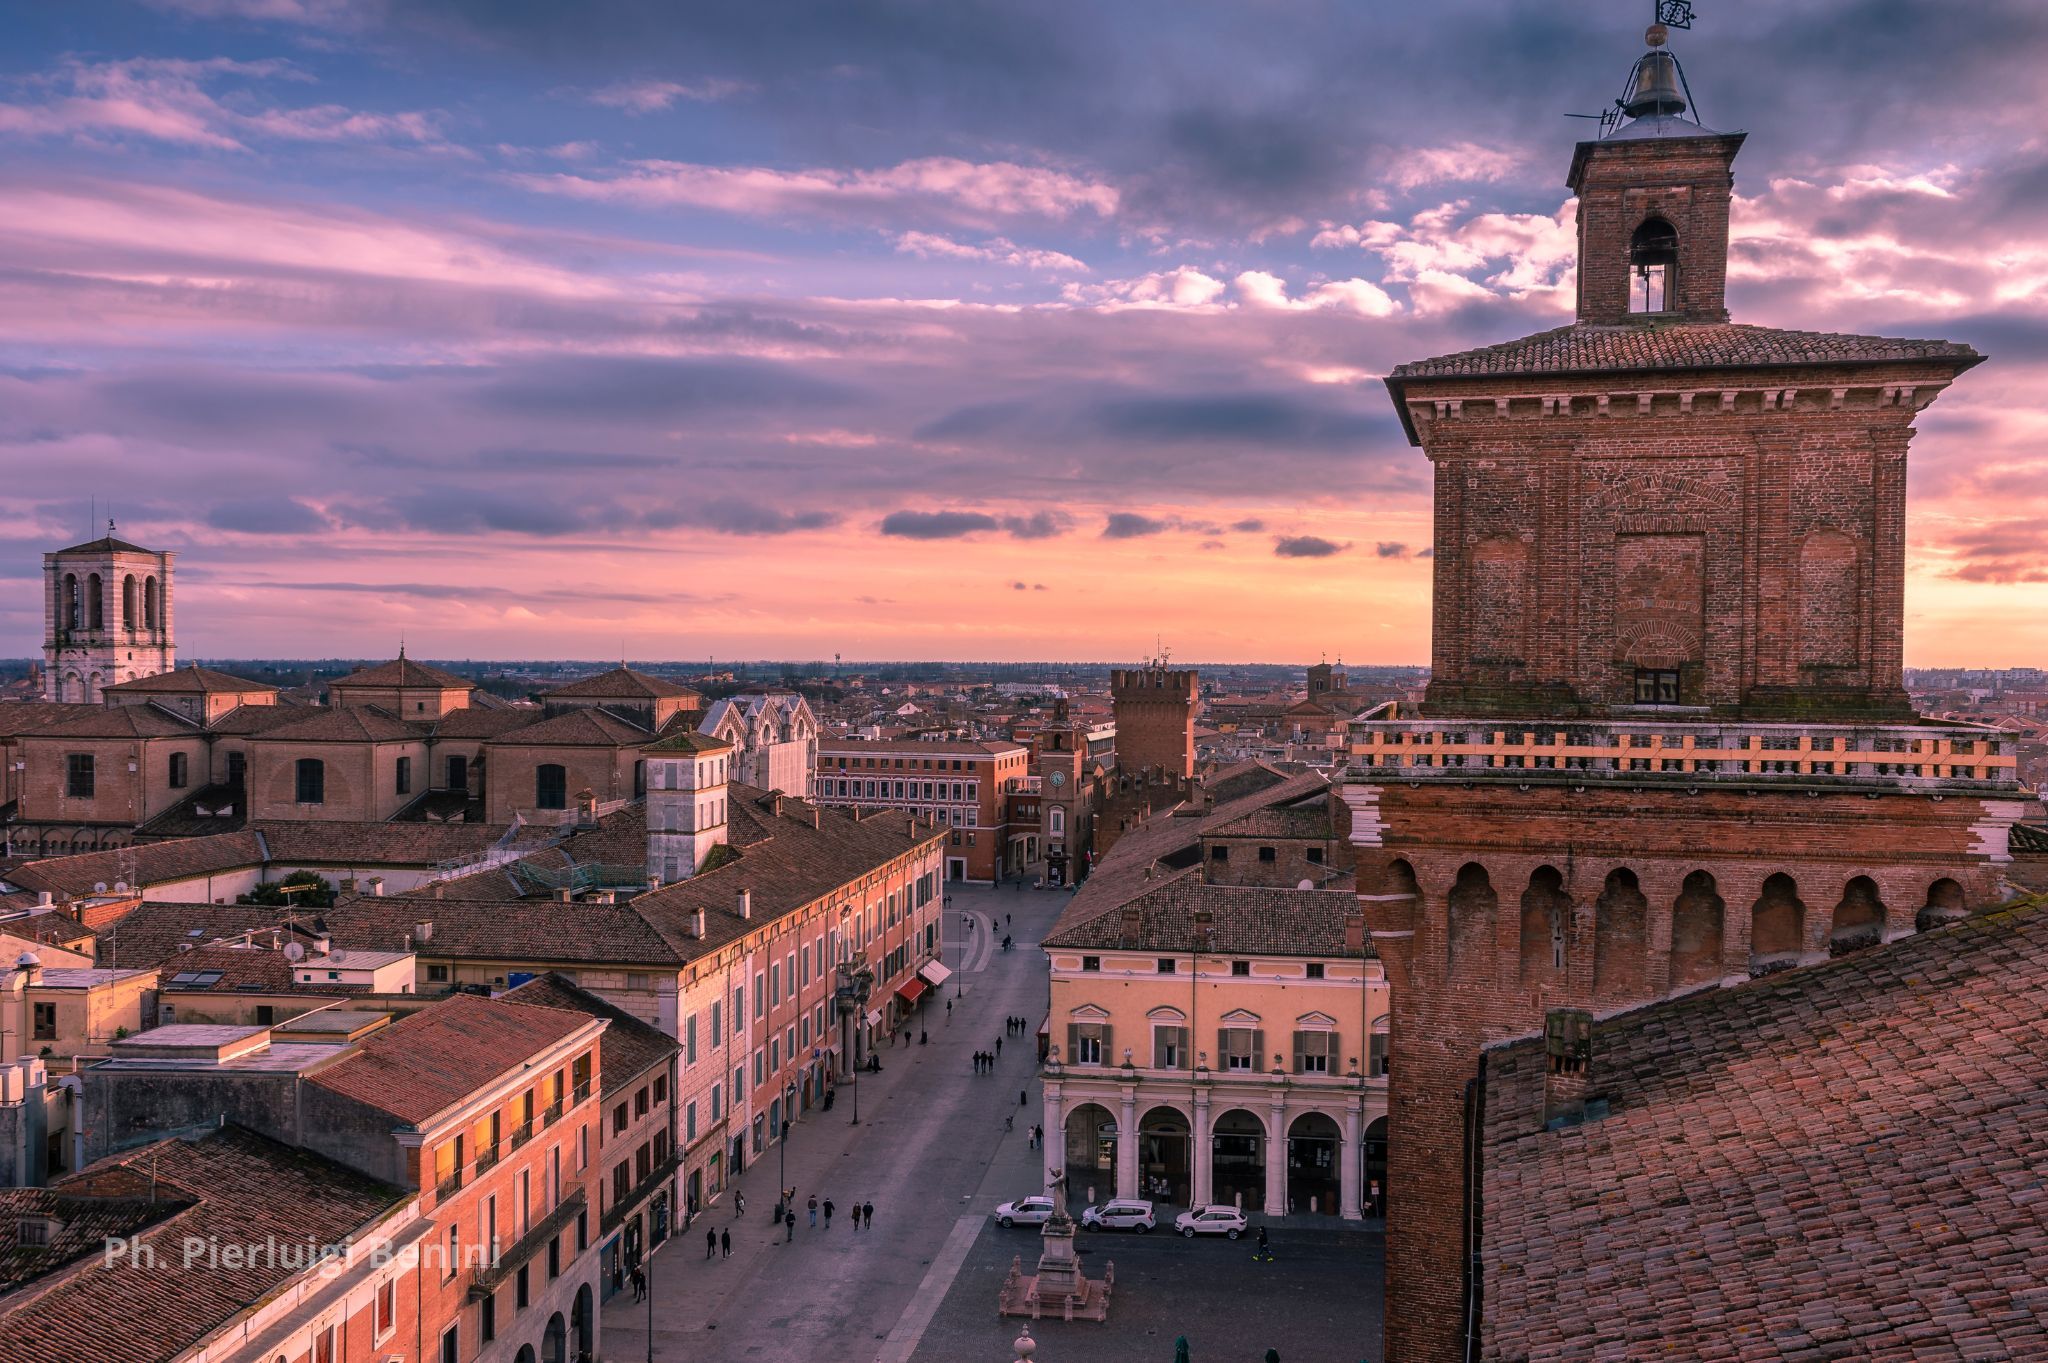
point(553, 1114)
point(448, 1187)
point(582, 1094)
point(492, 1276)
point(1902, 757)
point(522, 1133)
point(645, 1188)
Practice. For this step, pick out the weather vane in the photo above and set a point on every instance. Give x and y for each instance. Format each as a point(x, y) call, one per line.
point(1674, 13)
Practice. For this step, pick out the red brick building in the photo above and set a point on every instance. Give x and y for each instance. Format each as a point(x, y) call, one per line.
point(1665, 746)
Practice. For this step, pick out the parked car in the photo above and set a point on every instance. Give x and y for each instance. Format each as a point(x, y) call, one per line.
point(1217, 1219)
point(1120, 1213)
point(1025, 1211)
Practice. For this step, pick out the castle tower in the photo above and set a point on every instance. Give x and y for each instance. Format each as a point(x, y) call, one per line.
point(687, 775)
point(106, 617)
point(1155, 720)
point(1065, 805)
point(1665, 746)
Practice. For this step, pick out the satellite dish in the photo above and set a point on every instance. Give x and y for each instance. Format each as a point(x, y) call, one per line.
point(1306, 884)
point(335, 953)
point(99, 887)
point(121, 887)
point(294, 952)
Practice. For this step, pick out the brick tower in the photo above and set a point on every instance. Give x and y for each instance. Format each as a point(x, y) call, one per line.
point(1155, 720)
point(1665, 746)
point(106, 617)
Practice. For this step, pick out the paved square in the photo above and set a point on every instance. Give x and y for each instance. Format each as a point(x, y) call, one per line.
point(1318, 1303)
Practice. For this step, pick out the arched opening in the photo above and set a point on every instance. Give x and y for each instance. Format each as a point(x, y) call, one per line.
point(1164, 1154)
point(1944, 905)
point(95, 603)
point(1653, 261)
point(1471, 908)
point(1859, 918)
point(1376, 1167)
point(1238, 1166)
point(1696, 932)
point(73, 610)
point(550, 786)
point(1621, 918)
point(310, 781)
point(525, 1354)
point(1545, 911)
point(580, 1326)
point(1313, 1146)
point(128, 603)
point(554, 1342)
point(152, 604)
point(1091, 1152)
point(1777, 926)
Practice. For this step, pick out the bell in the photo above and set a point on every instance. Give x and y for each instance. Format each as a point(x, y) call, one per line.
point(1654, 87)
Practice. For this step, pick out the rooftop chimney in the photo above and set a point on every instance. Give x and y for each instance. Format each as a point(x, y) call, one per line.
point(697, 925)
point(423, 931)
point(377, 886)
point(1568, 1066)
point(42, 899)
point(565, 895)
point(1132, 925)
point(1354, 933)
point(745, 907)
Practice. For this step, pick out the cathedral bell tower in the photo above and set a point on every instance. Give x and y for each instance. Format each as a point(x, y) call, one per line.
point(106, 617)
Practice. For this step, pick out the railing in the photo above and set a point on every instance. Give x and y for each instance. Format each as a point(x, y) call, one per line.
point(485, 1158)
point(491, 1276)
point(522, 1133)
point(553, 1113)
point(582, 1094)
point(659, 1175)
point(1908, 757)
point(448, 1186)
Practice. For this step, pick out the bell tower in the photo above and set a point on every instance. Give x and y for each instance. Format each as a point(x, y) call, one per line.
point(106, 617)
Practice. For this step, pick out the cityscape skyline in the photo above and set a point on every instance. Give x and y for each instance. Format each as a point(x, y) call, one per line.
point(513, 336)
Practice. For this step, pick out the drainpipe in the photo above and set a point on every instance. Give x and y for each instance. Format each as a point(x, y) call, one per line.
point(1475, 1172)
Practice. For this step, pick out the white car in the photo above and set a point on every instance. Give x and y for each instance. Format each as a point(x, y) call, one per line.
point(1212, 1220)
point(1120, 1213)
point(1025, 1211)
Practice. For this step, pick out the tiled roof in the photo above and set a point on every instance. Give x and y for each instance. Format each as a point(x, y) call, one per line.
point(342, 724)
point(106, 544)
point(146, 864)
point(1244, 778)
point(199, 814)
point(1584, 348)
point(631, 1047)
point(580, 728)
point(154, 931)
point(1842, 1161)
point(236, 967)
point(1304, 822)
point(34, 716)
point(516, 930)
point(681, 738)
point(430, 1060)
point(620, 683)
point(187, 680)
point(912, 747)
point(229, 1186)
point(1245, 920)
point(472, 721)
point(122, 721)
point(256, 719)
point(82, 1226)
point(370, 844)
point(403, 671)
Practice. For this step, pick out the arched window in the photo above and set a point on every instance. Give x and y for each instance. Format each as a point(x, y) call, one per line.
point(95, 603)
point(550, 786)
point(405, 776)
point(128, 602)
point(1056, 821)
point(178, 771)
point(72, 616)
point(1653, 260)
point(311, 781)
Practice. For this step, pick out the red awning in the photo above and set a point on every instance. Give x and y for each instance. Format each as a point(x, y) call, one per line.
point(910, 993)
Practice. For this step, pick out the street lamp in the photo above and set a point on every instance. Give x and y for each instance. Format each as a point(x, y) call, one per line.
point(782, 1167)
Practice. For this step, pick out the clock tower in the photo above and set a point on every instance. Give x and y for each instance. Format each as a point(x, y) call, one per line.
point(1065, 803)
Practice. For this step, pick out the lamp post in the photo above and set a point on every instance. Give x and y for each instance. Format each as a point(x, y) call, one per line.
point(782, 1165)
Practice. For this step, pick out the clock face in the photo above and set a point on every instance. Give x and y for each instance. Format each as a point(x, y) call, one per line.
point(1059, 778)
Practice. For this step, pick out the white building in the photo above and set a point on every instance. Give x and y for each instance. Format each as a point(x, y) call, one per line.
point(774, 738)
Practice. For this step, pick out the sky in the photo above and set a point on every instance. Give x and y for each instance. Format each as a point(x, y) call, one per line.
point(790, 328)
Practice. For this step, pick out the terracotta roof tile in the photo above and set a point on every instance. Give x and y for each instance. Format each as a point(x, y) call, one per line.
point(341, 724)
point(429, 1060)
point(585, 727)
point(33, 716)
point(1245, 920)
point(145, 864)
point(403, 671)
point(1584, 348)
point(620, 683)
point(122, 721)
point(1839, 1161)
point(187, 680)
point(631, 1047)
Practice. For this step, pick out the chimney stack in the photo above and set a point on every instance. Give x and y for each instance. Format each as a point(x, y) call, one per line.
point(697, 925)
point(42, 899)
point(423, 931)
point(1354, 933)
point(745, 906)
point(1132, 925)
point(1568, 1066)
point(377, 886)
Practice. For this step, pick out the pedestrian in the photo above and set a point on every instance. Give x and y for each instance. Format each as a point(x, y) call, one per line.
point(1009, 1123)
point(814, 1211)
point(828, 1213)
point(949, 1010)
point(867, 1214)
point(739, 1203)
point(792, 1225)
point(1006, 920)
point(639, 1285)
point(725, 1242)
point(1272, 1356)
point(710, 1243)
point(923, 1037)
point(1264, 1251)
point(999, 1045)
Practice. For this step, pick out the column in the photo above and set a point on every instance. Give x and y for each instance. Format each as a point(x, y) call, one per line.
point(1204, 1153)
point(1055, 1132)
point(1351, 1164)
point(1276, 1160)
point(1127, 1144)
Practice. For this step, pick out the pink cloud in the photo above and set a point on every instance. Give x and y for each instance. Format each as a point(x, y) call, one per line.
point(652, 96)
point(997, 250)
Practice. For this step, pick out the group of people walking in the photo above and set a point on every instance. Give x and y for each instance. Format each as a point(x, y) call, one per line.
point(1014, 1026)
point(985, 1061)
point(718, 1243)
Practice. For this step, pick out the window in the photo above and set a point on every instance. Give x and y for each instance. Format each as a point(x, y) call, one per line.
point(1091, 963)
point(404, 776)
point(689, 1122)
point(715, 1025)
point(1166, 965)
point(640, 1102)
point(690, 1039)
point(1315, 970)
point(454, 1249)
point(1240, 968)
point(1315, 856)
point(521, 1292)
point(78, 775)
point(550, 786)
point(1090, 1041)
point(1313, 1051)
point(458, 773)
point(619, 1119)
point(1269, 854)
point(46, 1022)
point(386, 1318)
point(323, 1345)
point(180, 770)
point(311, 781)
point(1241, 1047)
point(487, 1318)
point(1376, 1065)
point(1656, 686)
point(1653, 252)
point(1169, 1047)
point(437, 974)
point(1219, 853)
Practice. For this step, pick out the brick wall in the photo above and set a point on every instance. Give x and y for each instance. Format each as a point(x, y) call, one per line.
point(1155, 719)
point(1685, 182)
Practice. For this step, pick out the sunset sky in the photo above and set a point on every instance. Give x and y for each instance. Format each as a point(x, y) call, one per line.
point(1015, 330)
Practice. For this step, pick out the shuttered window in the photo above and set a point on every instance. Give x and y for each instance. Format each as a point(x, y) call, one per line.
point(1240, 1047)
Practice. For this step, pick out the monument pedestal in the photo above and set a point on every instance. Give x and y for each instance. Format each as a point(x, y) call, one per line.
point(1059, 1289)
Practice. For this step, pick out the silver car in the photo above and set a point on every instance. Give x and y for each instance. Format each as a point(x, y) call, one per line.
point(1120, 1213)
point(1215, 1219)
point(1025, 1211)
